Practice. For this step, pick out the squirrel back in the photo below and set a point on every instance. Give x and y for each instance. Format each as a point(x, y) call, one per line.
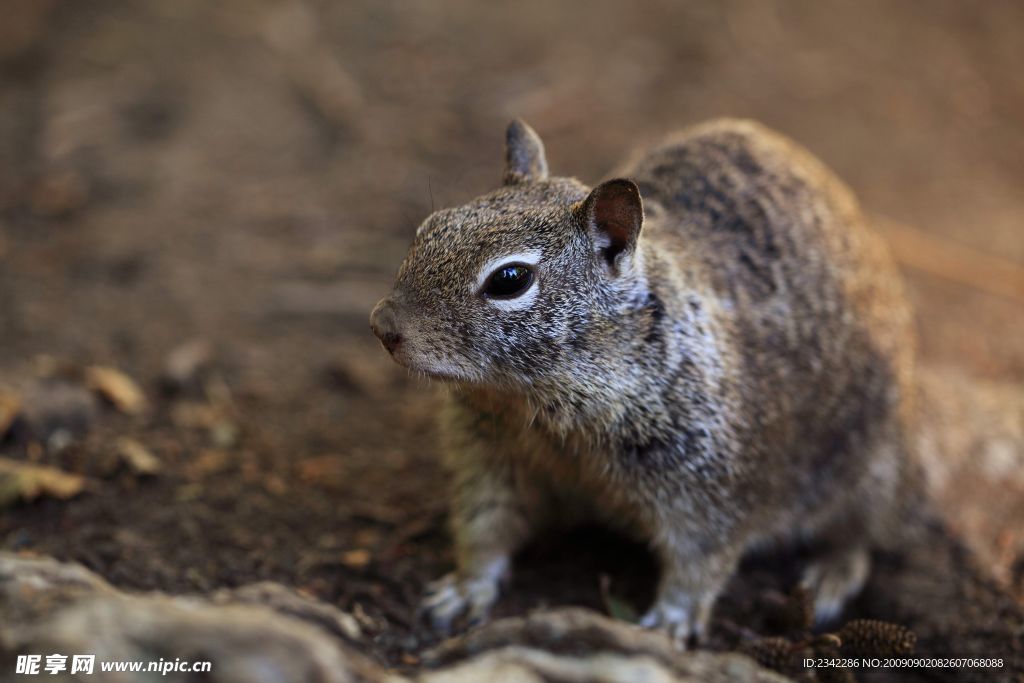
point(817, 321)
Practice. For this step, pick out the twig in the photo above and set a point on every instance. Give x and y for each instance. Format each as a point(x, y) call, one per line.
point(928, 253)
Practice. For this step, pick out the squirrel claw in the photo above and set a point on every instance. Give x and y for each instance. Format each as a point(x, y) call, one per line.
point(452, 600)
point(684, 625)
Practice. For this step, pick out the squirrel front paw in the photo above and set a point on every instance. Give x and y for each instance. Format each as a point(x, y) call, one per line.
point(457, 600)
point(685, 621)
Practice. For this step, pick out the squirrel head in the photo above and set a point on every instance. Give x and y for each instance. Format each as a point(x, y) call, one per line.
point(508, 289)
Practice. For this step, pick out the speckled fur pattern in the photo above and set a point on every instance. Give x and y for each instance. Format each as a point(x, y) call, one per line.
point(737, 378)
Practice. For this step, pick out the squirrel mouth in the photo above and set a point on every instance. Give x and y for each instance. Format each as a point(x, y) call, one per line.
point(443, 373)
point(439, 371)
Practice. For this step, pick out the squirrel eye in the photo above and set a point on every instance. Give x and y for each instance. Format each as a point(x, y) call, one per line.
point(509, 281)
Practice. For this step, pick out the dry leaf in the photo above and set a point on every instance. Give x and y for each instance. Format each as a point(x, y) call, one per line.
point(208, 461)
point(224, 434)
point(59, 193)
point(323, 468)
point(139, 458)
point(22, 481)
point(116, 387)
point(367, 537)
point(189, 415)
point(10, 408)
point(356, 559)
point(275, 485)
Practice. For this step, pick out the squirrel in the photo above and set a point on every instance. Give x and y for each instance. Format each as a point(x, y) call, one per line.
point(714, 355)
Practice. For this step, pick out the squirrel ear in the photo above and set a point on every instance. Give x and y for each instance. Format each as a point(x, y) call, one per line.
point(613, 214)
point(524, 154)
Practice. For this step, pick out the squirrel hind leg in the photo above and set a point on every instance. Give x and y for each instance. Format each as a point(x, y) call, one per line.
point(834, 579)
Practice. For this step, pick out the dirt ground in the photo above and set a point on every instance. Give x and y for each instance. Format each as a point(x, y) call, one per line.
point(247, 175)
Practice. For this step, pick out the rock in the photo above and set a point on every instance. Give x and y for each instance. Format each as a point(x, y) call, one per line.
point(268, 633)
point(33, 587)
point(290, 602)
point(262, 634)
point(530, 665)
point(576, 644)
point(55, 406)
point(244, 644)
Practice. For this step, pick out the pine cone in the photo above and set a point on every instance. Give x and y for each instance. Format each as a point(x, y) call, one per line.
point(872, 638)
point(826, 646)
point(778, 654)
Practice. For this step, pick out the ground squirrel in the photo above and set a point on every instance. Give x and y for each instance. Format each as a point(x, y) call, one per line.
point(714, 355)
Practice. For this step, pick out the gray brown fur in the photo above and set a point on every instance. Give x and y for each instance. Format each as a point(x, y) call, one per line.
point(734, 377)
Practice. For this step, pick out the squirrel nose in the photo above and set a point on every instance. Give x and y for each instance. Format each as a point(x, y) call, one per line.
point(384, 323)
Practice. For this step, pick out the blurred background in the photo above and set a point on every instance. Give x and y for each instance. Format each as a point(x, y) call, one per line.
point(205, 200)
